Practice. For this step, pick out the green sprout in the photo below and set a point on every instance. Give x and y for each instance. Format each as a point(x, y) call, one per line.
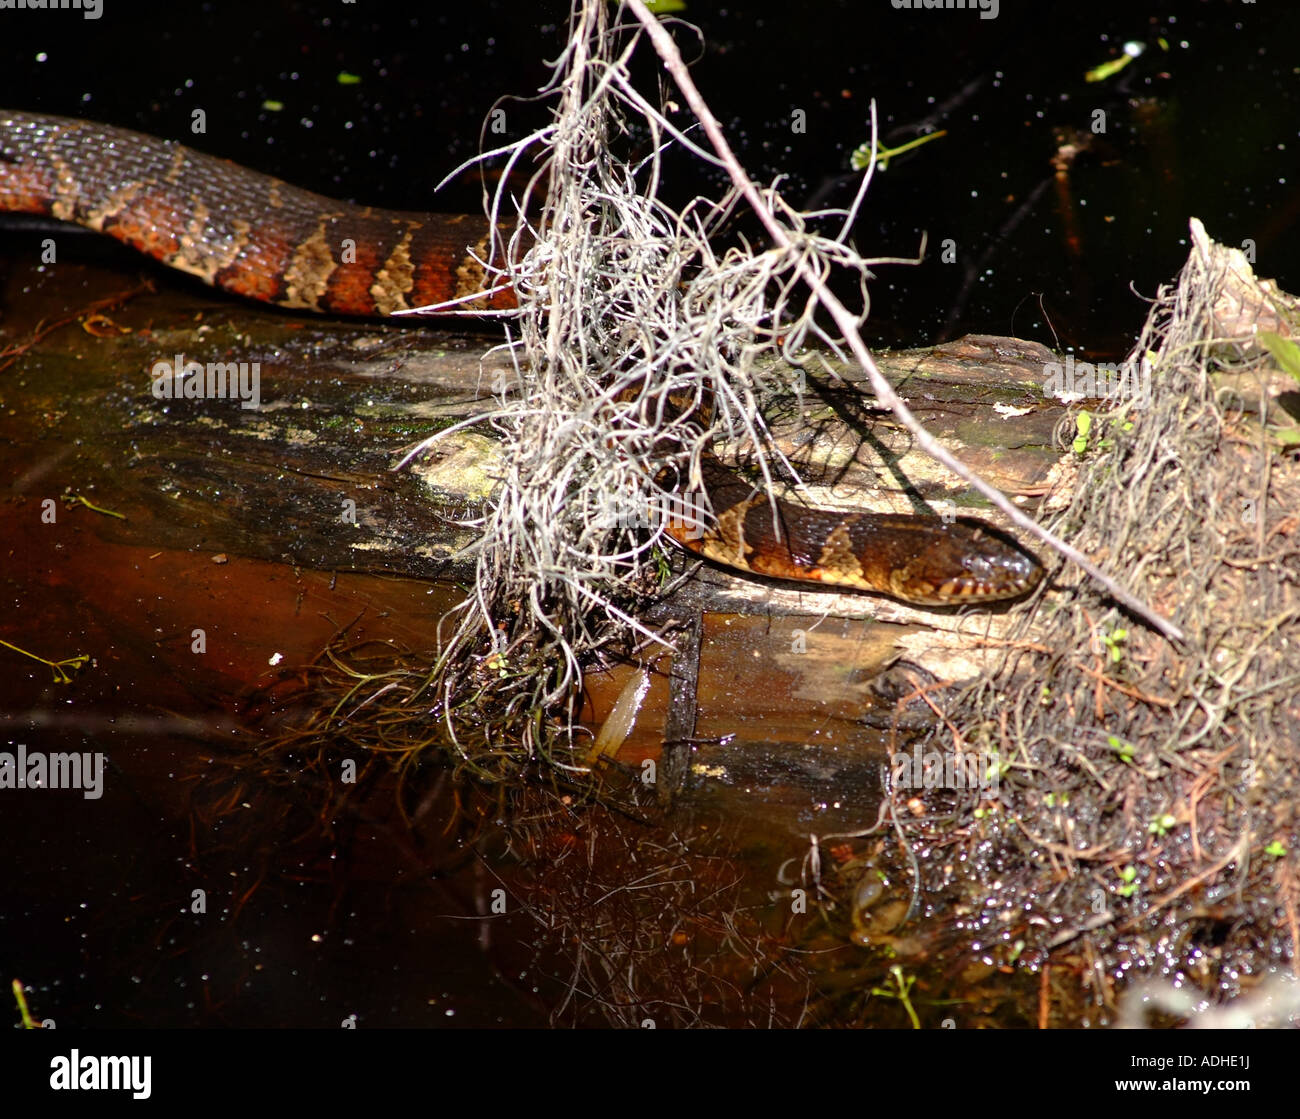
point(860, 160)
point(76, 499)
point(1128, 876)
point(28, 1022)
point(57, 667)
point(1109, 69)
point(902, 992)
point(1276, 849)
point(1161, 824)
point(1113, 641)
point(1083, 426)
point(663, 566)
point(1122, 748)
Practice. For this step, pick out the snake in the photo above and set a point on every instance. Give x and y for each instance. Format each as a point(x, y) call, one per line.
point(261, 238)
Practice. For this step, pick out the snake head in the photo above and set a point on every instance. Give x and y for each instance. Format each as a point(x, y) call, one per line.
point(966, 561)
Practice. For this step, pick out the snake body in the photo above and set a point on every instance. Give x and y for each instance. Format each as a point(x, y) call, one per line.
point(926, 561)
point(239, 230)
point(256, 236)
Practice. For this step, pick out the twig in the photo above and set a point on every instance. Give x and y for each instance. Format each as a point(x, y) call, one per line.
point(846, 323)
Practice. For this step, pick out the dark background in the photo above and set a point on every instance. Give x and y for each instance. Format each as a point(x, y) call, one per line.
point(1215, 136)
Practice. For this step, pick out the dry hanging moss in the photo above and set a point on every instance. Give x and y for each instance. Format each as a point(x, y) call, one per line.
point(629, 321)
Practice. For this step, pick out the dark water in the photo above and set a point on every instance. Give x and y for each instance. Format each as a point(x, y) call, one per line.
point(1204, 127)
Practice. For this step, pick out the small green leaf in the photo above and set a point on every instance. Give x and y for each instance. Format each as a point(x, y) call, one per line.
point(1114, 642)
point(1285, 352)
point(1161, 824)
point(1082, 425)
point(860, 160)
point(1107, 69)
point(1128, 876)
